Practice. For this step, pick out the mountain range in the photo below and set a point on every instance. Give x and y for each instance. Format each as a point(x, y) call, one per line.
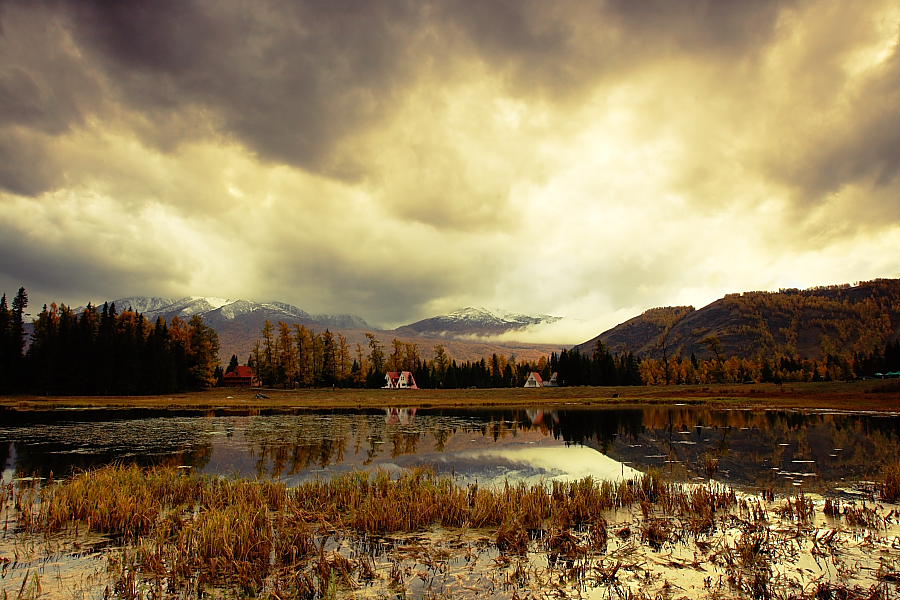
point(811, 323)
point(465, 333)
point(216, 311)
point(473, 321)
point(830, 320)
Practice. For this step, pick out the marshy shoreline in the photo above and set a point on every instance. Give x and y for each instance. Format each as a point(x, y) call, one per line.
point(168, 532)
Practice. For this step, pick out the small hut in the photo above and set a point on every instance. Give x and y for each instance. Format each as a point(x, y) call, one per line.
point(242, 376)
point(400, 380)
point(534, 380)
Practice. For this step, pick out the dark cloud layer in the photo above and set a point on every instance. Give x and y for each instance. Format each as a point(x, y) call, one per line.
point(391, 157)
point(293, 79)
point(865, 145)
point(726, 28)
point(557, 48)
point(63, 270)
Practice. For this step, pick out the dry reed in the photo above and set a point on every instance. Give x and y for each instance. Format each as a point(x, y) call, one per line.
point(190, 533)
point(889, 489)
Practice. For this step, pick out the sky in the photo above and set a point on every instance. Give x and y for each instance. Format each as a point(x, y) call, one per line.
point(401, 159)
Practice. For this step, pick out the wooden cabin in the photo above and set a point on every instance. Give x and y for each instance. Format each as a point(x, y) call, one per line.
point(242, 376)
point(400, 380)
point(534, 380)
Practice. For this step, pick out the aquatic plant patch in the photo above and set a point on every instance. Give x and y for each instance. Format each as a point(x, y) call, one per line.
point(176, 534)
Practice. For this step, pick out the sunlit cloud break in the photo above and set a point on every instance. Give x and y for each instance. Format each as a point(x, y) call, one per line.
point(402, 159)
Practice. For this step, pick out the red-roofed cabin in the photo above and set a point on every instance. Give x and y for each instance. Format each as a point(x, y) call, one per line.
point(534, 380)
point(242, 376)
point(400, 380)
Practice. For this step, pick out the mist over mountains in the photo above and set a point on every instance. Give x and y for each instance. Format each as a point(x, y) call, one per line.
point(473, 321)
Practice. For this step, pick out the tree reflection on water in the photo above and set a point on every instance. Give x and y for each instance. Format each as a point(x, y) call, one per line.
point(748, 447)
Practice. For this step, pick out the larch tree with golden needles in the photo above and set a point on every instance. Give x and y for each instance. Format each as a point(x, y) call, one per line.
point(329, 362)
point(375, 374)
point(395, 360)
point(203, 353)
point(303, 344)
point(286, 352)
point(343, 359)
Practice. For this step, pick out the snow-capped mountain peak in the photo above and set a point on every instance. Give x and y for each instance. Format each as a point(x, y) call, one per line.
point(212, 301)
point(194, 305)
point(478, 313)
point(141, 304)
point(220, 310)
point(477, 321)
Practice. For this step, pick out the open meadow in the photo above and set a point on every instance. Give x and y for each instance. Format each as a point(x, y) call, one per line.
point(877, 395)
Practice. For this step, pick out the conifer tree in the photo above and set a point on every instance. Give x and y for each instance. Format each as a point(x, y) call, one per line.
point(159, 370)
point(395, 360)
point(359, 376)
point(343, 359)
point(266, 366)
point(316, 354)
point(286, 369)
point(375, 376)
point(496, 373)
point(106, 353)
point(256, 361)
point(303, 342)
point(5, 345)
point(86, 351)
point(441, 364)
point(16, 339)
point(203, 353)
point(329, 366)
point(40, 353)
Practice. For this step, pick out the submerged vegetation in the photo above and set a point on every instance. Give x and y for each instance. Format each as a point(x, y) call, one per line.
point(184, 535)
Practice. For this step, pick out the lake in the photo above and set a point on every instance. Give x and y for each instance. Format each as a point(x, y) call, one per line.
point(747, 448)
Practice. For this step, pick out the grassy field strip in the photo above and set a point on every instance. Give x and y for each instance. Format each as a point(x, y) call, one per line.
point(875, 395)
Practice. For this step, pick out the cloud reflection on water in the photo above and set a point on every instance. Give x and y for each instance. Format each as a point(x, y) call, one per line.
point(532, 464)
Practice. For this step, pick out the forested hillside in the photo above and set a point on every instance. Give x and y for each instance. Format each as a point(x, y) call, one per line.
point(102, 351)
point(837, 321)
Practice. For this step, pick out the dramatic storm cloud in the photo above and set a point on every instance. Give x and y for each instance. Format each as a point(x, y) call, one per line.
point(398, 159)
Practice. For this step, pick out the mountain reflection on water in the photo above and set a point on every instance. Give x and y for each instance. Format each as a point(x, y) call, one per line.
point(751, 447)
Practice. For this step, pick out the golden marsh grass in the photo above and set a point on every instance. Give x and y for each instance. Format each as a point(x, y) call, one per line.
point(417, 534)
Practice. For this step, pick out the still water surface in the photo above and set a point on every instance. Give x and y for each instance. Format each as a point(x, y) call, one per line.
point(753, 448)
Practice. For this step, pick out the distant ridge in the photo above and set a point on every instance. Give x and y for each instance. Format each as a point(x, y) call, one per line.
point(476, 321)
point(219, 310)
point(240, 322)
point(813, 323)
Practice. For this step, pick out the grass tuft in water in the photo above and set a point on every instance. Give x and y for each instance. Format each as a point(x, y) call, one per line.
point(889, 489)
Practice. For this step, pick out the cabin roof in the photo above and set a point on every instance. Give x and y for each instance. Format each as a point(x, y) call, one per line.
point(240, 371)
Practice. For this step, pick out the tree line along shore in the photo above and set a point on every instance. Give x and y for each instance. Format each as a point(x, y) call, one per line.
point(101, 351)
